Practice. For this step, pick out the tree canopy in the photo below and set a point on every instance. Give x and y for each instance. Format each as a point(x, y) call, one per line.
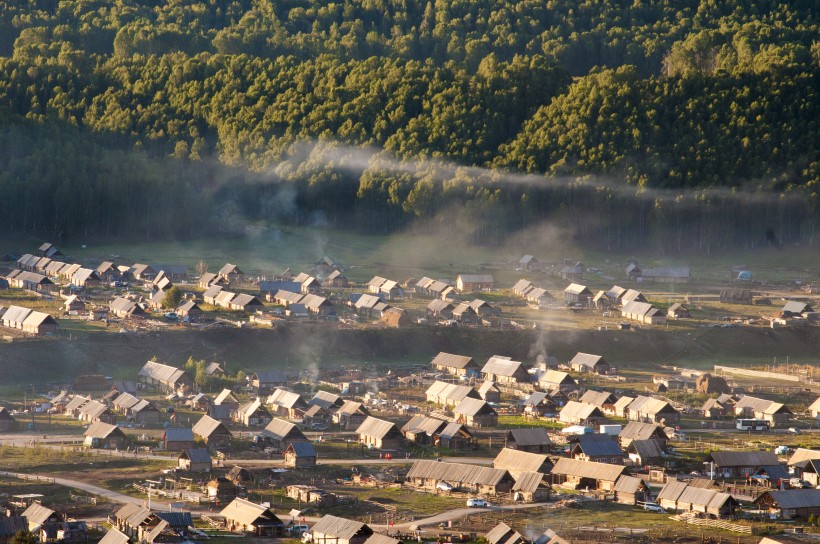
point(170, 117)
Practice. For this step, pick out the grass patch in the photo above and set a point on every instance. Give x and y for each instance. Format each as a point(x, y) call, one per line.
point(521, 422)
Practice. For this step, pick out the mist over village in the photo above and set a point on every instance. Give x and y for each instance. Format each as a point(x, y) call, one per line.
point(409, 271)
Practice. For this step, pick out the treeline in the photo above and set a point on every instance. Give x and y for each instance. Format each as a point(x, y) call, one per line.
point(578, 34)
point(172, 117)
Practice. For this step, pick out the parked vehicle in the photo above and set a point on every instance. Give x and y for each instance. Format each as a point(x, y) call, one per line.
point(298, 530)
point(752, 425)
point(444, 486)
point(477, 503)
point(653, 507)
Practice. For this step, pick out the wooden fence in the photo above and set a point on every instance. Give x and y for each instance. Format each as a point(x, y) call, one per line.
point(716, 523)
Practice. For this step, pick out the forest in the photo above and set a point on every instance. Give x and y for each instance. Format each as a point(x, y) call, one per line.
point(679, 126)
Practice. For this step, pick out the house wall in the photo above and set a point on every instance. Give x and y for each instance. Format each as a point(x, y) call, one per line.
point(291, 460)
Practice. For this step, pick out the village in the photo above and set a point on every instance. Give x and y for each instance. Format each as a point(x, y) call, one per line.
point(53, 291)
point(452, 448)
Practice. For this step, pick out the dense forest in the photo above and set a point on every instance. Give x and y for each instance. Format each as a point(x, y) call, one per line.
point(676, 125)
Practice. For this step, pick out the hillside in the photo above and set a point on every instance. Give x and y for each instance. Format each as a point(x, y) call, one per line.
point(167, 118)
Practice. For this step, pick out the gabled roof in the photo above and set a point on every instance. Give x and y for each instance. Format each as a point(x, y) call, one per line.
point(279, 429)
point(503, 534)
point(628, 484)
point(598, 445)
point(521, 286)
point(325, 400)
point(536, 436)
point(576, 289)
point(377, 428)
point(270, 376)
point(650, 405)
point(463, 308)
point(351, 407)
point(212, 291)
point(340, 528)
point(37, 514)
point(376, 282)
point(587, 360)
point(177, 519)
point(580, 410)
point(285, 399)
point(796, 307)
point(744, 458)
point(438, 305)
point(473, 407)
point(166, 374)
point(454, 429)
point(206, 426)
point(302, 449)
point(244, 299)
point(598, 398)
point(38, 318)
point(536, 399)
point(794, 498)
point(476, 278)
point(487, 386)
point(451, 391)
point(637, 308)
point(246, 512)
point(518, 461)
point(250, 408)
point(557, 377)
point(113, 536)
point(637, 430)
point(100, 429)
point(226, 395)
point(196, 455)
point(803, 454)
point(229, 268)
point(367, 301)
point(528, 481)
point(760, 405)
point(178, 434)
point(16, 314)
point(502, 367)
point(623, 403)
point(672, 490)
point(85, 274)
point(588, 469)
point(646, 449)
point(450, 360)
point(424, 282)
point(457, 472)
point(423, 424)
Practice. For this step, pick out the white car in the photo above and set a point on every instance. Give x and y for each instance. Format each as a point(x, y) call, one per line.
point(444, 486)
point(477, 503)
point(653, 507)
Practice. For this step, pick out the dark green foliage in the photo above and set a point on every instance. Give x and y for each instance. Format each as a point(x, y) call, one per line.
point(169, 118)
point(172, 298)
point(23, 537)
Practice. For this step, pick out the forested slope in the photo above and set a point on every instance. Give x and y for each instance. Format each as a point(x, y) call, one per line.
point(169, 117)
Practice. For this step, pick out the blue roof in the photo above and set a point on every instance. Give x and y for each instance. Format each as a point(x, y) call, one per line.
point(273, 286)
point(177, 519)
point(303, 449)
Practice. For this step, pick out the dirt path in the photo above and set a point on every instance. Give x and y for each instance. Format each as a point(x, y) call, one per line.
point(112, 496)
